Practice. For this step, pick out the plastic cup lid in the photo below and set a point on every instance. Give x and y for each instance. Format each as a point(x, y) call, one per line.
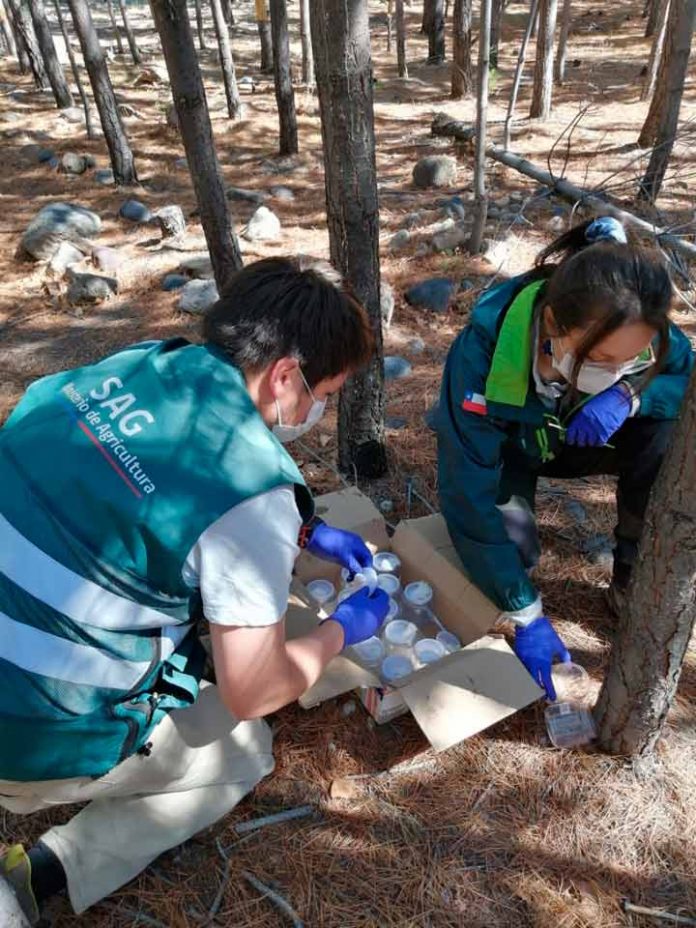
point(386, 562)
point(451, 642)
point(368, 577)
point(393, 610)
point(419, 593)
point(396, 666)
point(389, 583)
point(321, 591)
point(371, 650)
point(400, 633)
point(429, 650)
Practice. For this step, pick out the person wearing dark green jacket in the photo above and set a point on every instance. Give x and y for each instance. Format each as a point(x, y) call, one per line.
point(570, 370)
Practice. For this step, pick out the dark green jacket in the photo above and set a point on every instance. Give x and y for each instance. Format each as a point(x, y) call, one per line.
point(487, 399)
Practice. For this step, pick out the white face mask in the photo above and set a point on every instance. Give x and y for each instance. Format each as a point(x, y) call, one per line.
point(595, 376)
point(288, 433)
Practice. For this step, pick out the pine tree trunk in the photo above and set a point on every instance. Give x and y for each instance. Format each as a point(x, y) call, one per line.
point(264, 26)
point(24, 29)
point(172, 24)
point(228, 12)
point(7, 32)
point(229, 79)
point(560, 65)
point(427, 16)
point(656, 52)
point(653, 14)
point(401, 65)
point(285, 96)
point(54, 71)
point(480, 196)
point(497, 11)
point(75, 70)
point(436, 33)
point(655, 629)
point(673, 71)
point(462, 64)
point(22, 57)
point(517, 79)
point(122, 163)
point(199, 25)
point(306, 39)
point(132, 44)
point(341, 39)
point(543, 68)
point(114, 26)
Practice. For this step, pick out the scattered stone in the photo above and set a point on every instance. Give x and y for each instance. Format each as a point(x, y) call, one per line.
point(444, 226)
point(56, 223)
point(107, 259)
point(105, 176)
point(30, 152)
point(395, 367)
point(492, 211)
point(422, 250)
point(53, 162)
point(400, 240)
point(343, 788)
point(280, 192)
point(199, 267)
point(412, 220)
point(576, 511)
point(264, 226)
point(135, 211)
point(453, 207)
point(197, 296)
point(386, 303)
point(435, 171)
point(430, 416)
point(153, 74)
point(386, 506)
point(556, 224)
point(434, 294)
point(90, 161)
point(502, 201)
point(174, 282)
point(450, 239)
point(395, 422)
point(72, 163)
point(416, 346)
point(245, 196)
point(285, 165)
point(45, 154)
point(74, 114)
point(65, 255)
point(90, 288)
point(170, 221)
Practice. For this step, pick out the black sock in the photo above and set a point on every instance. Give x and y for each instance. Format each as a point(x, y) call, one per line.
point(47, 874)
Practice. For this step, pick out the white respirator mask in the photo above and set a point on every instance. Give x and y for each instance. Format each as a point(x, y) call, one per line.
point(288, 433)
point(595, 376)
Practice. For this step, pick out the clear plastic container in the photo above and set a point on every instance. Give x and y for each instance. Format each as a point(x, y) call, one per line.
point(386, 562)
point(367, 577)
point(449, 641)
point(395, 667)
point(429, 651)
point(399, 636)
point(569, 725)
point(390, 584)
point(393, 612)
point(417, 597)
point(369, 653)
point(323, 593)
point(571, 682)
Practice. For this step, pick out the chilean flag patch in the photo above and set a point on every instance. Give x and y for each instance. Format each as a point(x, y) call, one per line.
point(474, 402)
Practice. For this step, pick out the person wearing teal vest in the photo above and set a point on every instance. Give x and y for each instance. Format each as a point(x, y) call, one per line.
point(570, 370)
point(138, 495)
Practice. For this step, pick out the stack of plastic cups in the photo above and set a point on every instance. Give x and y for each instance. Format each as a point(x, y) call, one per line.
point(399, 637)
point(386, 562)
point(417, 599)
point(369, 653)
point(323, 593)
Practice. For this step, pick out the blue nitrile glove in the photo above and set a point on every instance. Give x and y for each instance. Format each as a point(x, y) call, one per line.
point(361, 615)
point(536, 645)
point(595, 423)
point(340, 547)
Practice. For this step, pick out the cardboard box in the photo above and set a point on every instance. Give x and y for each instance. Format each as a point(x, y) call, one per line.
point(459, 696)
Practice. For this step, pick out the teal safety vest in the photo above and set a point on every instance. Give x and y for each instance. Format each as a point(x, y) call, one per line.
point(108, 476)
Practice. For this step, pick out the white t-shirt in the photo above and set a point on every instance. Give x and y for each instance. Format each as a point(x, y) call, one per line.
point(243, 563)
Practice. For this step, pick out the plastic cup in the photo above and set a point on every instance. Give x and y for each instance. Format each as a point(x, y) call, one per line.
point(368, 578)
point(572, 683)
point(395, 667)
point(386, 562)
point(321, 591)
point(429, 651)
point(392, 612)
point(418, 594)
point(569, 725)
point(389, 583)
point(449, 641)
point(399, 635)
point(369, 652)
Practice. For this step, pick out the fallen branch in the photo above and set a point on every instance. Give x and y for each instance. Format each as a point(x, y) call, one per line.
point(287, 815)
point(657, 913)
point(275, 898)
point(596, 204)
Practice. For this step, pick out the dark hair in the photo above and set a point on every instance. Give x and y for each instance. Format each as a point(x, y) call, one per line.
point(290, 307)
point(602, 286)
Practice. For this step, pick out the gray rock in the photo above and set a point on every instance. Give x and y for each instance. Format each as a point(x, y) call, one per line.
point(90, 161)
point(434, 294)
point(264, 226)
point(74, 114)
point(449, 239)
point(386, 303)
point(435, 171)
point(466, 285)
point(135, 211)
point(170, 221)
point(90, 288)
point(199, 267)
point(444, 226)
point(56, 223)
point(105, 177)
point(395, 422)
point(245, 196)
point(492, 212)
point(502, 201)
point(197, 296)
point(399, 240)
point(279, 192)
point(395, 367)
point(30, 152)
point(412, 220)
point(65, 255)
point(107, 259)
point(53, 162)
point(416, 346)
point(45, 154)
point(454, 207)
point(422, 250)
point(72, 163)
point(174, 282)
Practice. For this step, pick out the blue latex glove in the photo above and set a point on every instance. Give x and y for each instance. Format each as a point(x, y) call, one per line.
point(361, 615)
point(340, 547)
point(536, 645)
point(595, 423)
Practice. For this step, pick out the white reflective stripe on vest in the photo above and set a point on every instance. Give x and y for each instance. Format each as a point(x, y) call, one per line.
point(80, 599)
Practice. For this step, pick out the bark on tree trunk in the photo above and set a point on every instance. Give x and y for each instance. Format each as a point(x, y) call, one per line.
point(656, 52)
point(655, 629)
point(75, 70)
point(188, 93)
point(402, 67)
point(22, 57)
point(199, 25)
point(132, 44)
point(497, 10)
point(341, 39)
point(114, 26)
point(264, 26)
point(306, 38)
point(122, 163)
point(560, 65)
point(229, 78)
point(285, 95)
point(480, 197)
point(543, 68)
point(427, 16)
point(7, 32)
point(24, 29)
point(675, 63)
point(56, 77)
point(652, 12)
point(436, 33)
point(462, 64)
point(533, 11)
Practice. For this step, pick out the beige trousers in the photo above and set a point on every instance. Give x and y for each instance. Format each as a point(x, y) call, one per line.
point(202, 763)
